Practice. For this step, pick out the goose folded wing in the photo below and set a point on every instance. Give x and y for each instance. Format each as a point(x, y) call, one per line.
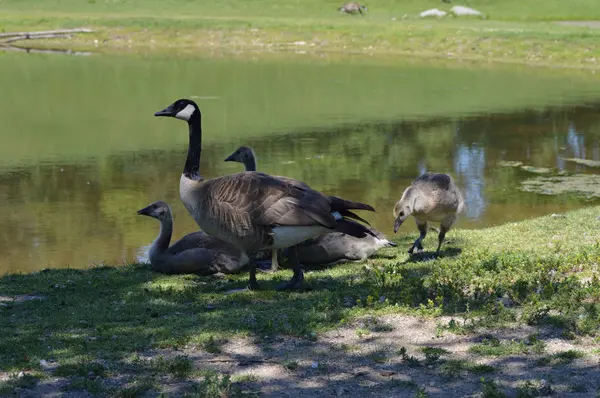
point(270, 202)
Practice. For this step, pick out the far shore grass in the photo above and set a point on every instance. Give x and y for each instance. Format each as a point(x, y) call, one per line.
point(521, 32)
point(541, 272)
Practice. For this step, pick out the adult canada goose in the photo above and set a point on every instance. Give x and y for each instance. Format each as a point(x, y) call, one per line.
point(195, 253)
point(255, 211)
point(327, 249)
point(353, 8)
point(432, 197)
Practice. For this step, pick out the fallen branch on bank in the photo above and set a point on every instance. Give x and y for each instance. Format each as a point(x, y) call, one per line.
point(10, 37)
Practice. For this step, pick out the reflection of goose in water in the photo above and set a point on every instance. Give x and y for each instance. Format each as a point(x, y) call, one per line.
point(328, 249)
point(255, 211)
point(195, 253)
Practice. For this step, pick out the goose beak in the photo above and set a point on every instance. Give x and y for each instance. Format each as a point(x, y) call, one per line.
point(230, 158)
point(168, 111)
point(144, 212)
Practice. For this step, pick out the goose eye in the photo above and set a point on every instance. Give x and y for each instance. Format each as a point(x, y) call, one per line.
point(401, 214)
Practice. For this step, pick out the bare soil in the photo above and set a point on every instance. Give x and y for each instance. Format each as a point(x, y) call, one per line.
point(363, 359)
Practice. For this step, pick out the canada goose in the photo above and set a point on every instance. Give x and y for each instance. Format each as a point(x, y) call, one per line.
point(255, 211)
point(195, 253)
point(353, 8)
point(327, 249)
point(432, 197)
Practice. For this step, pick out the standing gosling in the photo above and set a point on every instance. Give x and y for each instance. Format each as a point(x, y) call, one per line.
point(432, 197)
point(353, 8)
point(195, 253)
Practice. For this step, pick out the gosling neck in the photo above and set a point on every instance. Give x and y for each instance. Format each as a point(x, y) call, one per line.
point(161, 244)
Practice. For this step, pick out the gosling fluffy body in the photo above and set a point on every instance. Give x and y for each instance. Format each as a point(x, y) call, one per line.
point(432, 197)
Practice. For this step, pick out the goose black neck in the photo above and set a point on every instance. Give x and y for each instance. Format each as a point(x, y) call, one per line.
point(192, 163)
point(250, 163)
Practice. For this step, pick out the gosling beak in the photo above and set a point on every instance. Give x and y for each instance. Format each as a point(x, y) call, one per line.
point(397, 224)
point(144, 212)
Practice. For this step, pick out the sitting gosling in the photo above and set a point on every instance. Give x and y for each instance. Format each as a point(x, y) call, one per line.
point(432, 197)
point(195, 253)
point(353, 8)
point(337, 247)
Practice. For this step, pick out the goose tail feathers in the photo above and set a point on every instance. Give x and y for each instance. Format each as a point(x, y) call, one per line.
point(339, 204)
point(352, 228)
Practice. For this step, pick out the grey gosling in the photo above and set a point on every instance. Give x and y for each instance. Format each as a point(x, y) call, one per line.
point(255, 211)
point(328, 249)
point(353, 8)
point(432, 197)
point(195, 253)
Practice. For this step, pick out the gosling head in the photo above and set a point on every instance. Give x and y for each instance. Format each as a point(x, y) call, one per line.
point(183, 109)
point(243, 155)
point(159, 210)
point(403, 209)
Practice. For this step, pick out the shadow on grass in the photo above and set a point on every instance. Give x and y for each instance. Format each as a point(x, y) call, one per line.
point(115, 316)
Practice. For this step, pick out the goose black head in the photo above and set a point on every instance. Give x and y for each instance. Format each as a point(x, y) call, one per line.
point(241, 155)
point(159, 210)
point(183, 109)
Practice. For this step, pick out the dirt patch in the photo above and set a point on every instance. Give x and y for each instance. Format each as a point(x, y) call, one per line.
point(380, 357)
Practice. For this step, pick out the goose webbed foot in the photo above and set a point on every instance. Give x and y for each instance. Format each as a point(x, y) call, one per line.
point(265, 266)
point(252, 285)
point(293, 284)
point(419, 249)
point(296, 282)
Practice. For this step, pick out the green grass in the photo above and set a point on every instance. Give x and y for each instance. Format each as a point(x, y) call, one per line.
point(560, 358)
point(497, 348)
point(515, 31)
point(92, 320)
point(16, 381)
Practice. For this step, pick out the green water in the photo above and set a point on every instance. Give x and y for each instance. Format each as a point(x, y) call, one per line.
point(81, 150)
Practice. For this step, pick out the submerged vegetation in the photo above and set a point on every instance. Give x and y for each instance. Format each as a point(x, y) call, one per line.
point(514, 31)
point(541, 272)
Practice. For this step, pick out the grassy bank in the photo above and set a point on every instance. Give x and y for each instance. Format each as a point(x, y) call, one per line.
point(515, 31)
point(92, 329)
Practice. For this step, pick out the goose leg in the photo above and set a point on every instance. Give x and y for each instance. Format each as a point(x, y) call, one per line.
point(274, 265)
point(422, 225)
point(444, 227)
point(298, 278)
point(252, 283)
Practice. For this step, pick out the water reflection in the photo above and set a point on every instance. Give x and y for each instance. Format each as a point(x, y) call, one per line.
point(78, 214)
point(469, 166)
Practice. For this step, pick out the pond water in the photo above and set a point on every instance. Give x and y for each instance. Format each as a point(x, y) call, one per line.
point(81, 150)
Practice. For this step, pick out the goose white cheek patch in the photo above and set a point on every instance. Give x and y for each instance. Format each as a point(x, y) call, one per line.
point(185, 113)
